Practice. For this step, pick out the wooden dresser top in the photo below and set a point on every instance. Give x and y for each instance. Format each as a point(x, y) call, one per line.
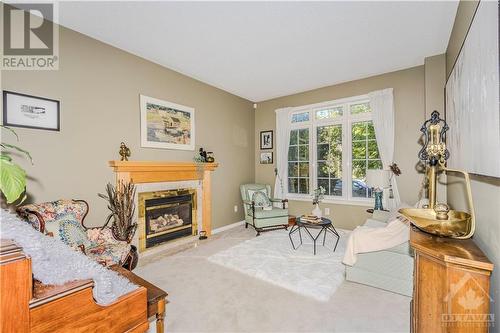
point(457, 251)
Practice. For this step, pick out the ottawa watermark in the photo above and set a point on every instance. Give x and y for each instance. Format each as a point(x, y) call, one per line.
point(30, 38)
point(465, 304)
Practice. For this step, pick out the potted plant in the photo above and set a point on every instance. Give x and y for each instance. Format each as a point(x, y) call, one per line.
point(121, 204)
point(12, 176)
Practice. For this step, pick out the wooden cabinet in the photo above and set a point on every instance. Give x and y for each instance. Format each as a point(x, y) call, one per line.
point(451, 285)
point(15, 266)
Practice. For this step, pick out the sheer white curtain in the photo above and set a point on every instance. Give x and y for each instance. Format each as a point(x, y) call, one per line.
point(282, 142)
point(382, 105)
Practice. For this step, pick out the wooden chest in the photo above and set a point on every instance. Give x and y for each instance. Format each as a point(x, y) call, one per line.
point(451, 285)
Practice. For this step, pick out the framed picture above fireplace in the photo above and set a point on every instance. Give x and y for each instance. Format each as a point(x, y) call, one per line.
point(166, 125)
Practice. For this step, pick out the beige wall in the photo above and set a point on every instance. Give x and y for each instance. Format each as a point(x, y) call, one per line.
point(99, 86)
point(485, 190)
point(409, 102)
point(465, 13)
point(435, 78)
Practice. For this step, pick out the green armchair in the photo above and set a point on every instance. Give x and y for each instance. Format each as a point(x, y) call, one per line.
point(261, 218)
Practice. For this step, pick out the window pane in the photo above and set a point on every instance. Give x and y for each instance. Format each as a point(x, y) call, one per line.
point(304, 153)
point(322, 169)
point(298, 161)
point(371, 130)
point(365, 155)
point(375, 164)
point(329, 134)
point(335, 167)
point(336, 187)
point(329, 149)
point(293, 153)
point(359, 131)
point(359, 189)
point(304, 185)
point(360, 108)
point(294, 134)
point(359, 170)
point(293, 185)
point(304, 169)
point(330, 112)
point(325, 183)
point(293, 169)
point(323, 151)
point(300, 117)
point(359, 149)
point(303, 136)
point(373, 150)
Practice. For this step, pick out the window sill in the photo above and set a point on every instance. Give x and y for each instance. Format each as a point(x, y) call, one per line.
point(364, 203)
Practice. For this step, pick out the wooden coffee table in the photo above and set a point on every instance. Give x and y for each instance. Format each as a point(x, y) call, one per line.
point(156, 296)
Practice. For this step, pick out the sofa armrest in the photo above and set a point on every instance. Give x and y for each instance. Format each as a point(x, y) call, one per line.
point(381, 215)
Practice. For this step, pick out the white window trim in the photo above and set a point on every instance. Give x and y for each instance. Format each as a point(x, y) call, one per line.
point(346, 121)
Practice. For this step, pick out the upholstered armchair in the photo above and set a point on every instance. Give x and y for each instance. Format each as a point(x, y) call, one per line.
point(260, 210)
point(64, 219)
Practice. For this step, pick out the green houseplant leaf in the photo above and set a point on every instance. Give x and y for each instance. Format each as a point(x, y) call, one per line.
point(27, 154)
point(12, 179)
point(12, 176)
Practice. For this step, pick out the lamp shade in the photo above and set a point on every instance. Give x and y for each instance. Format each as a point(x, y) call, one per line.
point(377, 178)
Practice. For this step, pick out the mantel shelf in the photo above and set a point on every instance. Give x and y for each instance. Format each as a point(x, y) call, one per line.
point(159, 171)
point(148, 166)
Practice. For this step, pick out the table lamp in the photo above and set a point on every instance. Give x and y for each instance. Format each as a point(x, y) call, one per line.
point(378, 180)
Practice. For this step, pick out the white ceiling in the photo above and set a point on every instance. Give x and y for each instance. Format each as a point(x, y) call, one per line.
point(262, 50)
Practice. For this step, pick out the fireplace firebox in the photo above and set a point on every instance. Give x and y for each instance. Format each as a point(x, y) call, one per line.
point(166, 215)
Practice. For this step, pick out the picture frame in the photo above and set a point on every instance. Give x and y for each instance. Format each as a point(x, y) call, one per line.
point(266, 140)
point(266, 157)
point(28, 111)
point(166, 125)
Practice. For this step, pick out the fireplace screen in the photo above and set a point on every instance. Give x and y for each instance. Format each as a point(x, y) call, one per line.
point(166, 215)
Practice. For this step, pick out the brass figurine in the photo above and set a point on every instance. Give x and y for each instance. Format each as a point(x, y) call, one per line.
point(124, 152)
point(438, 219)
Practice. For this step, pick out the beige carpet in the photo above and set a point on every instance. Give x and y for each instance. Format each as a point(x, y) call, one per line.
point(206, 297)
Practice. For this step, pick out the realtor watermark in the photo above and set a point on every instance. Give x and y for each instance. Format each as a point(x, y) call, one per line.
point(30, 38)
point(467, 309)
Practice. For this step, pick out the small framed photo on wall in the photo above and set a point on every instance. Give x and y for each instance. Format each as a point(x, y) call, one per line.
point(20, 110)
point(266, 157)
point(266, 140)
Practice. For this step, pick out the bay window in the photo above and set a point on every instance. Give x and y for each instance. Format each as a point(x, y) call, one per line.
point(332, 145)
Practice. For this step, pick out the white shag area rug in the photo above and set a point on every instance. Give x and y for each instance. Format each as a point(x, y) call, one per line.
point(54, 262)
point(270, 257)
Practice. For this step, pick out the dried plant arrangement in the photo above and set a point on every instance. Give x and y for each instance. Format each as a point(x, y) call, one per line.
point(121, 204)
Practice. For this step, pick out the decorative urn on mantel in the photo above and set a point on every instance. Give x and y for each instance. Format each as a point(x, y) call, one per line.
point(141, 172)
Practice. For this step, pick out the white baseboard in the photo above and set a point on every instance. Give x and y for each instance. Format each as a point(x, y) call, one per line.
point(227, 227)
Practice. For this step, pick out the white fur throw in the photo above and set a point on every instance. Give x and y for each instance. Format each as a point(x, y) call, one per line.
point(53, 262)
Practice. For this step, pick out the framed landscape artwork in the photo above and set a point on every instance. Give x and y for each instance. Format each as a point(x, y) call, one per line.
point(166, 125)
point(20, 110)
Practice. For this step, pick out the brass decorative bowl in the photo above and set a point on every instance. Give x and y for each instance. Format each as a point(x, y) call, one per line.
point(457, 224)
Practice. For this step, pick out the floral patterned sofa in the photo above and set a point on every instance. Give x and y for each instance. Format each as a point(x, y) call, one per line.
point(64, 219)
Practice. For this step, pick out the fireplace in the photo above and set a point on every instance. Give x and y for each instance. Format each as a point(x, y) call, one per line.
point(166, 215)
